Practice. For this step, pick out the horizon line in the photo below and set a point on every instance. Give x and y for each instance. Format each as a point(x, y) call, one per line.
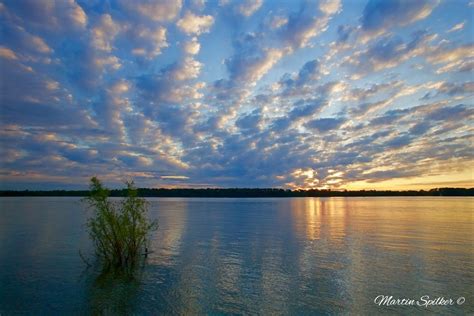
point(245, 192)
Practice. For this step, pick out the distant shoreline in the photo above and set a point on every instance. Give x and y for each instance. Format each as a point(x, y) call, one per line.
point(248, 193)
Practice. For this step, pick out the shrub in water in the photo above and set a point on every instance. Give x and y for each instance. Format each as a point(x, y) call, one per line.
point(118, 230)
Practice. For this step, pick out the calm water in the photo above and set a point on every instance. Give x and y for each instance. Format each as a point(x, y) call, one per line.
point(246, 256)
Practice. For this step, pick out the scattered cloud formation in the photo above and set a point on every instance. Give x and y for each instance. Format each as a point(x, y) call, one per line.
point(306, 94)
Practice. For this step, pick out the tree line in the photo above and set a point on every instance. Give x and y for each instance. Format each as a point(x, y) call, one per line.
point(248, 192)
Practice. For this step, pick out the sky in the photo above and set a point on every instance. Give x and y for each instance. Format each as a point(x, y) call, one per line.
point(293, 94)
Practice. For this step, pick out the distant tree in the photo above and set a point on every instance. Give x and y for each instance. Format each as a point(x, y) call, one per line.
point(249, 192)
point(119, 230)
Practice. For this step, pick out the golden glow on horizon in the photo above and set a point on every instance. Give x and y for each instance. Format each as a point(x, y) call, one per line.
point(460, 179)
point(463, 178)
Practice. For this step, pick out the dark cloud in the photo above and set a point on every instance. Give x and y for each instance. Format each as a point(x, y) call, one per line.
point(358, 94)
point(364, 108)
point(389, 52)
point(383, 14)
point(386, 49)
point(366, 143)
point(309, 71)
point(54, 16)
point(252, 58)
point(399, 141)
point(452, 89)
point(344, 32)
point(250, 122)
point(325, 124)
point(38, 114)
point(456, 112)
point(32, 99)
point(304, 108)
point(389, 117)
point(303, 25)
point(301, 109)
point(173, 120)
point(301, 83)
point(420, 128)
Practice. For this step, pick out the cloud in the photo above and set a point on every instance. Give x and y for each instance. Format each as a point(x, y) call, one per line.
point(111, 62)
point(309, 71)
point(41, 114)
point(250, 64)
point(447, 54)
point(377, 176)
point(301, 109)
point(7, 53)
point(250, 122)
point(304, 108)
point(77, 15)
point(389, 117)
point(399, 141)
point(305, 24)
point(111, 108)
point(26, 85)
point(276, 22)
point(361, 94)
point(249, 7)
point(330, 7)
point(456, 88)
point(187, 69)
point(381, 15)
point(32, 101)
point(344, 32)
point(457, 112)
point(192, 24)
point(457, 27)
point(389, 52)
point(155, 10)
point(419, 128)
point(21, 41)
point(157, 88)
point(294, 97)
point(192, 47)
point(325, 124)
point(56, 16)
point(199, 4)
point(134, 161)
point(174, 177)
point(147, 42)
point(452, 59)
point(465, 66)
point(104, 32)
point(303, 82)
point(253, 56)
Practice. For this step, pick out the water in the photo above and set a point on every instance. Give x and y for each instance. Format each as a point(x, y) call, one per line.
point(246, 256)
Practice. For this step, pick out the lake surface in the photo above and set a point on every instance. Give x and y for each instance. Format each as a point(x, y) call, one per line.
point(290, 256)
